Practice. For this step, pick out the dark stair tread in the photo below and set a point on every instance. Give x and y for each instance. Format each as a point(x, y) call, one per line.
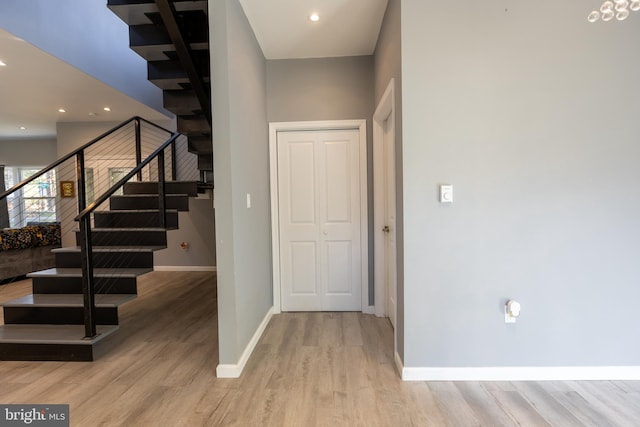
point(97, 272)
point(136, 12)
point(111, 249)
point(68, 300)
point(155, 196)
point(158, 52)
point(52, 334)
point(151, 211)
point(171, 188)
point(124, 229)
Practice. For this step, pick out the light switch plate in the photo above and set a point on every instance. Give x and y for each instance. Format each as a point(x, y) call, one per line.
point(446, 193)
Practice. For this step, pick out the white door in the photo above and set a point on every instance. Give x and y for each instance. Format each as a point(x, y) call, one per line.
point(319, 220)
point(390, 220)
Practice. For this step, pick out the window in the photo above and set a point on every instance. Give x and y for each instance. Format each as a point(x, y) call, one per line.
point(35, 202)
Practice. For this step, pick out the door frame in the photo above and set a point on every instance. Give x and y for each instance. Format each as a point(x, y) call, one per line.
point(384, 111)
point(274, 128)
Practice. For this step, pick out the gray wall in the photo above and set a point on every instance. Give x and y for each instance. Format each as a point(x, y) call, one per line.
point(241, 166)
point(196, 228)
point(87, 35)
point(532, 114)
point(320, 89)
point(27, 152)
point(388, 65)
point(325, 89)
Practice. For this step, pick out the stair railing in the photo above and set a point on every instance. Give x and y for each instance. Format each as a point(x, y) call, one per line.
point(84, 219)
point(75, 163)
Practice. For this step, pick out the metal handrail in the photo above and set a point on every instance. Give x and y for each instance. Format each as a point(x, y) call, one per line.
point(89, 209)
point(75, 152)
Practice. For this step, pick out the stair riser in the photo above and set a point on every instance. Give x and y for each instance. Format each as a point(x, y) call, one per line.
point(192, 126)
point(124, 219)
point(107, 260)
point(171, 187)
point(205, 161)
point(127, 238)
point(73, 285)
point(136, 203)
point(50, 352)
point(57, 315)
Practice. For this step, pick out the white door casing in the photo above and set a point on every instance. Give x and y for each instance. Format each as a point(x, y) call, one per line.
point(384, 205)
point(390, 220)
point(319, 216)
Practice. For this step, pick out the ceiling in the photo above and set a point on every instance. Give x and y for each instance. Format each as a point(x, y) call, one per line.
point(345, 28)
point(34, 85)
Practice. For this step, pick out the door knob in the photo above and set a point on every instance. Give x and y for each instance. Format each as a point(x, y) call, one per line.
point(385, 229)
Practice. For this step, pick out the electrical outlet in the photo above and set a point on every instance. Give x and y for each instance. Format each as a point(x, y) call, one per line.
point(507, 317)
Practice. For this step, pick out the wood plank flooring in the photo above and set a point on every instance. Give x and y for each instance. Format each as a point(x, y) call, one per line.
point(309, 369)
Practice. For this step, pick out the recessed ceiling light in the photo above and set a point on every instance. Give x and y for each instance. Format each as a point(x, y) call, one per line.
point(3, 64)
point(92, 114)
point(314, 17)
point(61, 110)
point(23, 128)
point(107, 109)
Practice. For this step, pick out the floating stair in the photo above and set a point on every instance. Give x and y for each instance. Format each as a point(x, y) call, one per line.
point(49, 324)
point(175, 44)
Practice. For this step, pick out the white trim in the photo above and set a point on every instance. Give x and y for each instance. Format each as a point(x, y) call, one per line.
point(384, 110)
point(184, 268)
point(550, 373)
point(274, 128)
point(399, 365)
point(369, 309)
point(234, 371)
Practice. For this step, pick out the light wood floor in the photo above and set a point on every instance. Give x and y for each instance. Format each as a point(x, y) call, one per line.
point(309, 369)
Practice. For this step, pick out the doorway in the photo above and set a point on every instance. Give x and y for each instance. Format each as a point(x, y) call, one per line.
point(385, 206)
point(319, 216)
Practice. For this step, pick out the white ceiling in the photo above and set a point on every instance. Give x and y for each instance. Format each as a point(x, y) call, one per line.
point(34, 85)
point(345, 28)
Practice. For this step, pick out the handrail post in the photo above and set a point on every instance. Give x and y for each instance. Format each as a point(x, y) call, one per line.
point(87, 277)
point(80, 180)
point(162, 197)
point(138, 146)
point(174, 161)
point(86, 253)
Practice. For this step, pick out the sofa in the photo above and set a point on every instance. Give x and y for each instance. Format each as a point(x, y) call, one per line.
point(27, 249)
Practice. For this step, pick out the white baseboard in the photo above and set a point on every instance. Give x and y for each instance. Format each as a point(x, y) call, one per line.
point(184, 268)
point(370, 309)
point(550, 373)
point(234, 371)
point(399, 366)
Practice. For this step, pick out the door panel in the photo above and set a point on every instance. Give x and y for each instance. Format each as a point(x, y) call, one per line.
point(303, 268)
point(338, 268)
point(319, 209)
point(337, 182)
point(302, 185)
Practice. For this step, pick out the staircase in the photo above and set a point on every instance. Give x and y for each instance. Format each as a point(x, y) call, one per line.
point(50, 323)
point(173, 37)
